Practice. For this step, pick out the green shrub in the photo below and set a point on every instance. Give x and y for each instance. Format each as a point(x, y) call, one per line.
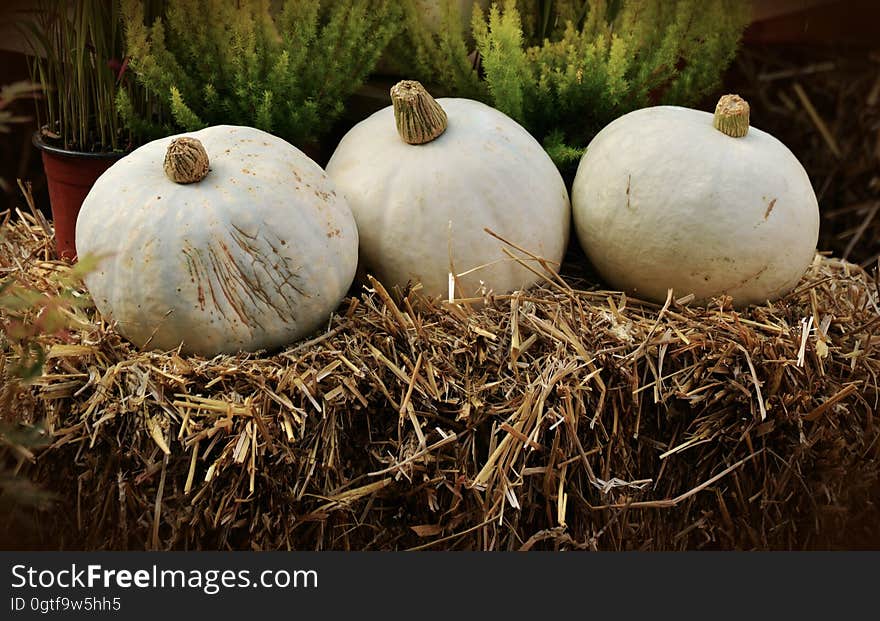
point(286, 70)
point(566, 68)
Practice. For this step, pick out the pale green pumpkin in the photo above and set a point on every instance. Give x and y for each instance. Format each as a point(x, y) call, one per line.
point(426, 178)
point(256, 254)
point(674, 198)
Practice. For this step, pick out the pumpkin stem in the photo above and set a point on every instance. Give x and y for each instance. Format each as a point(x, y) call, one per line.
point(418, 116)
point(732, 116)
point(186, 160)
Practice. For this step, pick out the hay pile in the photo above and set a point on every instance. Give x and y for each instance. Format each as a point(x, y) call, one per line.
point(554, 418)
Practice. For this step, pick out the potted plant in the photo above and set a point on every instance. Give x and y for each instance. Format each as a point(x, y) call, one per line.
point(76, 50)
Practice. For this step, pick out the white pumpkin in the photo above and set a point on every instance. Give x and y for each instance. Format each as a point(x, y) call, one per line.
point(254, 254)
point(424, 178)
point(669, 197)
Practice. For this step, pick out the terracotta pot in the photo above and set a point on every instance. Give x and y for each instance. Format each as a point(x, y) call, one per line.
point(70, 175)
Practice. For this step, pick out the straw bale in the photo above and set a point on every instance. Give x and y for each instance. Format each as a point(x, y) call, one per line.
point(563, 417)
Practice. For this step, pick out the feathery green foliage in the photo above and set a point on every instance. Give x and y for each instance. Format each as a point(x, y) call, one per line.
point(440, 55)
point(285, 70)
point(565, 68)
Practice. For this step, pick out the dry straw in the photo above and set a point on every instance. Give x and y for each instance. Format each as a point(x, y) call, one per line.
point(553, 418)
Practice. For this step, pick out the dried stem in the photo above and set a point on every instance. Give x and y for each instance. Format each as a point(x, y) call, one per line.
point(420, 119)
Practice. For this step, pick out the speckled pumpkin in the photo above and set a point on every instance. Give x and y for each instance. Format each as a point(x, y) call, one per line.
point(674, 198)
point(226, 239)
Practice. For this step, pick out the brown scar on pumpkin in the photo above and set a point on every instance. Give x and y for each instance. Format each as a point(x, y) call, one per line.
point(769, 208)
point(754, 276)
point(628, 182)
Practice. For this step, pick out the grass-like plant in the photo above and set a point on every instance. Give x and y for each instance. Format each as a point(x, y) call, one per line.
point(78, 61)
point(565, 68)
point(286, 70)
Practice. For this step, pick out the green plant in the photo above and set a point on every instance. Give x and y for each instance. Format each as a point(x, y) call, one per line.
point(439, 55)
point(565, 68)
point(78, 61)
point(286, 70)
